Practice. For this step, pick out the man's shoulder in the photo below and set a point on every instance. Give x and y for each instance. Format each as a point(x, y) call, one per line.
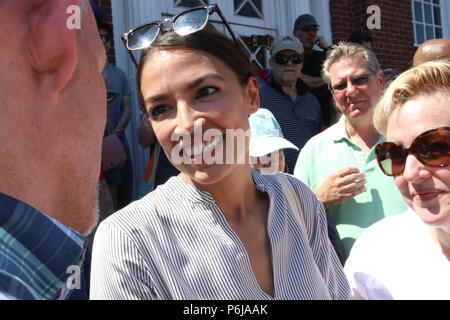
point(268, 89)
point(13, 288)
point(315, 55)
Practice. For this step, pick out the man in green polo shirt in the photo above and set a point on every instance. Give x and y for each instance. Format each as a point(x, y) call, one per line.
point(339, 163)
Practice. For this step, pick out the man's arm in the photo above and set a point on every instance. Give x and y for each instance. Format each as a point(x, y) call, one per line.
point(126, 115)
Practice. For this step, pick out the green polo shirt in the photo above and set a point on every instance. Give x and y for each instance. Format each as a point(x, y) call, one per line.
point(332, 150)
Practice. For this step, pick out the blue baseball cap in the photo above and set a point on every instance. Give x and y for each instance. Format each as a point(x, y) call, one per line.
point(266, 135)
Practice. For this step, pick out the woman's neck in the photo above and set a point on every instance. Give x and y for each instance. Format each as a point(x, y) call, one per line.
point(442, 240)
point(236, 194)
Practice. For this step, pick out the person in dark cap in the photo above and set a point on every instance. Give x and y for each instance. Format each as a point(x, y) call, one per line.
point(305, 29)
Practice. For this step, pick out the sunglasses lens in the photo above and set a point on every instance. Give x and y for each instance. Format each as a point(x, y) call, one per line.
point(391, 158)
point(281, 59)
point(191, 21)
point(433, 148)
point(360, 81)
point(142, 37)
point(297, 59)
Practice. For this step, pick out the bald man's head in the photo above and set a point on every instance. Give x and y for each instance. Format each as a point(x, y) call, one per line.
point(435, 49)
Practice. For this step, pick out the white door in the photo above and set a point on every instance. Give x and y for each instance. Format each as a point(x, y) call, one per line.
point(252, 17)
point(246, 17)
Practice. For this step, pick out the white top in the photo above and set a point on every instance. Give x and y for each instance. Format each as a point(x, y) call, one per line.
point(175, 243)
point(396, 258)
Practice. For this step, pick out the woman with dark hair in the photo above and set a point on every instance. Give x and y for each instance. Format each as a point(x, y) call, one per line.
point(218, 230)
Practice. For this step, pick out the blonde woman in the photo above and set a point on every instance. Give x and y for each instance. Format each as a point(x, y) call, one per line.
point(407, 256)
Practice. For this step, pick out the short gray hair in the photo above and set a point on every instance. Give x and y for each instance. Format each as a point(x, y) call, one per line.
point(345, 50)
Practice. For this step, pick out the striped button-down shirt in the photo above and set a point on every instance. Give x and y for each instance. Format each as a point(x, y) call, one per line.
point(175, 243)
point(36, 253)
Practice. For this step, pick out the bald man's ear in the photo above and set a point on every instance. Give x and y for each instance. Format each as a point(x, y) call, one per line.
point(52, 44)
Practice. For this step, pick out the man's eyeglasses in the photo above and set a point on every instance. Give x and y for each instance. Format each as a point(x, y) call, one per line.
point(282, 59)
point(184, 23)
point(431, 148)
point(311, 28)
point(357, 81)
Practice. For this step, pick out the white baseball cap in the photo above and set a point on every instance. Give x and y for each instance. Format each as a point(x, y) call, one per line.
point(266, 135)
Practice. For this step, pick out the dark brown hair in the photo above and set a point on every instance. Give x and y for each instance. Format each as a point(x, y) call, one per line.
point(206, 40)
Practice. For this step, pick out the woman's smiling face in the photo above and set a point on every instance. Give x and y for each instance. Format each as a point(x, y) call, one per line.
point(189, 91)
point(425, 189)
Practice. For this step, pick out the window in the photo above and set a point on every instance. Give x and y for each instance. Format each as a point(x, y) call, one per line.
point(427, 23)
point(191, 3)
point(249, 8)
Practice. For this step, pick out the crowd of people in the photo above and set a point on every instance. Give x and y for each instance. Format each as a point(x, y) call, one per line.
point(311, 185)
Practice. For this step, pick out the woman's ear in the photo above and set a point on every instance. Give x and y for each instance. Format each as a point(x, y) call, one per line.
point(253, 94)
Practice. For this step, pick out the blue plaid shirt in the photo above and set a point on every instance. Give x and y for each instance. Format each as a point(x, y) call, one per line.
point(36, 253)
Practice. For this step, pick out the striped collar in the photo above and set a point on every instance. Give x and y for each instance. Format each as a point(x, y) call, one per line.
point(36, 251)
point(199, 196)
point(302, 87)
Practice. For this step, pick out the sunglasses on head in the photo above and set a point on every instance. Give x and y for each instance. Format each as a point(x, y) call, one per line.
point(431, 148)
point(284, 59)
point(357, 81)
point(184, 23)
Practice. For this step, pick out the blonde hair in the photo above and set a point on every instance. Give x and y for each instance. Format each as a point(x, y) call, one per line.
point(427, 78)
point(345, 50)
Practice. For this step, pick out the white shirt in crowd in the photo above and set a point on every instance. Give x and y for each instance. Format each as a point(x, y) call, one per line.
point(396, 258)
